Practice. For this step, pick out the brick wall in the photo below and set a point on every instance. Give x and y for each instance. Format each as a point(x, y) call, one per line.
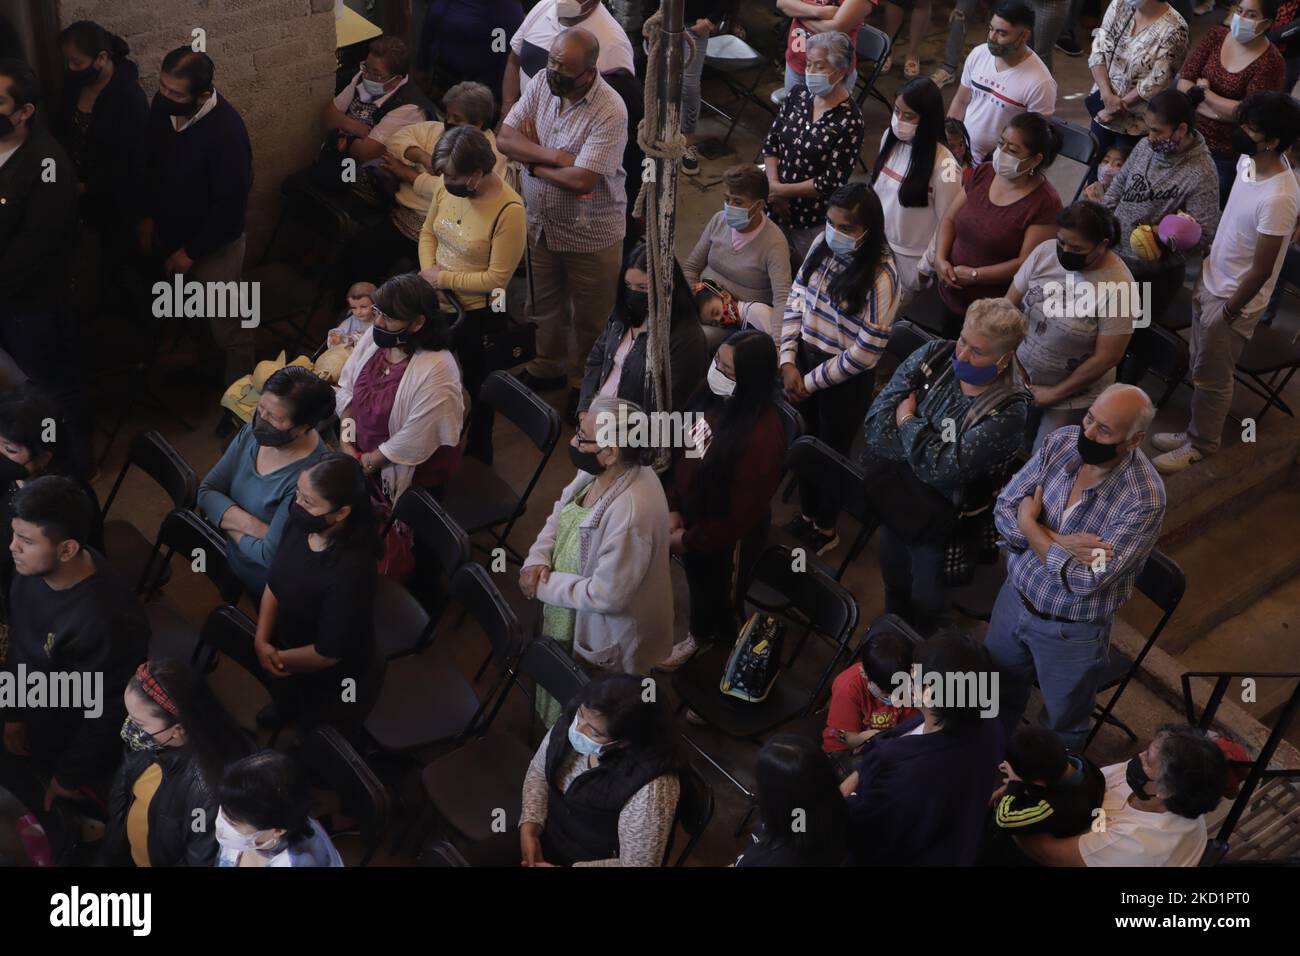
point(274, 62)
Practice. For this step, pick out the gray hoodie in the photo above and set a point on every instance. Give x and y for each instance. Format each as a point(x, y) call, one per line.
point(1150, 187)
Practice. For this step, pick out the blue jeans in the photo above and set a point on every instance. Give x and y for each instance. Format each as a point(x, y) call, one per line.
point(1225, 164)
point(1066, 658)
point(913, 577)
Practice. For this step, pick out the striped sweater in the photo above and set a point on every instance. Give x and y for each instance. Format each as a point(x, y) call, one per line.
point(854, 342)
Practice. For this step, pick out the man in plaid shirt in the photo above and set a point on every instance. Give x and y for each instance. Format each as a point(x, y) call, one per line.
point(569, 130)
point(1079, 521)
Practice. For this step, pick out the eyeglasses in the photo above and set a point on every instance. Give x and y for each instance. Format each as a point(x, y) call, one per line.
point(370, 75)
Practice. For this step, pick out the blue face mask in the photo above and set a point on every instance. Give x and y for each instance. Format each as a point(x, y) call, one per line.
point(374, 89)
point(737, 217)
point(819, 84)
point(840, 244)
point(973, 374)
point(581, 742)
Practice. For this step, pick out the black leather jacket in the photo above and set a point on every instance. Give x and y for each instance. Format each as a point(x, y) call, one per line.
point(177, 835)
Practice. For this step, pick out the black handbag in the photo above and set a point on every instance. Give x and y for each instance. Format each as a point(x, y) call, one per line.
point(906, 505)
point(510, 342)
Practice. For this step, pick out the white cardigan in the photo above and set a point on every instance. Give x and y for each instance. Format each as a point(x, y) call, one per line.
point(428, 410)
point(623, 593)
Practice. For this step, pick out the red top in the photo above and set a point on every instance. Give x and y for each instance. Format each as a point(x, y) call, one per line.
point(986, 234)
point(854, 709)
point(796, 43)
point(1267, 72)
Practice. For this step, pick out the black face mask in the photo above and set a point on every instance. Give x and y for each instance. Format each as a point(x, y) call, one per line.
point(11, 471)
point(637, 307)
point(1094, 452)
point(1070, 261)
point(391, 340)
point(585, 461)
point(304, 519)
point(268, 436)
point(1137, 779)
point(1242, 143)
point(171, 108)
point(459, 190)
point(89, 75)
point(560, 84)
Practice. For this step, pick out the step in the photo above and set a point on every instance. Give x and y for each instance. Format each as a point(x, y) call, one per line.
point(1229, 564)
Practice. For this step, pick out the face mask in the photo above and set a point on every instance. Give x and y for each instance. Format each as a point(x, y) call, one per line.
point(719, 384)
point(973, 374)
point(374, 89)
point(904, 131)
point(737, 217)
point(137, 738)
point(585, 461)
point(819, 84)
point(11, 471)
point(840, 244)
point(637, 307)
point(1133, 4)
point(391, 340)
point(581, 742)
point(1105, 174)
point(568, 9)
point(268, 436)
point(1243, 31)
point(1007, 165)
point(1137, 779)
point(1070, 261)
point(234, 841)
point(1165, 147)
point(1094, 452)
point(459, 190)
point(1243, 143)
point(89, 75)
point(879, 694)
point(304, 519)
point(560, 84)
point(172, 108)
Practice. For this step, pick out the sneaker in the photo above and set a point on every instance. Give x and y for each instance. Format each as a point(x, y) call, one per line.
point(691, 162)
point(1168, 441)
point(682, 653)
point(942, 77)
point(800, 527)
point(1180, 459)
point(823, 541)
point(1069, 46)
point(1202, 7)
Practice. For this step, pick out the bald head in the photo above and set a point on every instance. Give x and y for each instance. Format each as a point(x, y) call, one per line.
point(578, 48)
point(1120, 416)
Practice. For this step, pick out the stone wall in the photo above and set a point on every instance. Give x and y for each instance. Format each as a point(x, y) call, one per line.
point(274, 62)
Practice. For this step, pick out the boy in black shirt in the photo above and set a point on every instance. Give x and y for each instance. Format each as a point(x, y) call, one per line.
point(73, 624)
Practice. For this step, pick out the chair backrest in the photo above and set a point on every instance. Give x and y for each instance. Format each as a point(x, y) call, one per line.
point(156, 457)
point(889, 624)
point(433, 528)
point(792, 423)
point(906, 337)
point(872, 45)
point(230, 631)
point(811, 459)
point(811, 593)
point(1078, 145)
point(1162, 581)
point(553, 668)
point(524, 408)
point(183, 532)
point(473, 587)
point(695, 806)
point(363, 796)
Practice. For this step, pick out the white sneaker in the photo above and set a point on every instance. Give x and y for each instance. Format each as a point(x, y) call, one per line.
point(691, 162)
point(1180, 459)
point(1168, 441)
point(682, 653)
point(942, 77)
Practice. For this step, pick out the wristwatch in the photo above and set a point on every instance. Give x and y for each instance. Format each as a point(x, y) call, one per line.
point(974, 274)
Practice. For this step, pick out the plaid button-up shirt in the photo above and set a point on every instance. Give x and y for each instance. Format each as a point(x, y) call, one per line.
point(594, 130)
point(1126, 510)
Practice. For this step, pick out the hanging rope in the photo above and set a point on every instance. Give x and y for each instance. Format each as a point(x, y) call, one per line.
point(666, 146)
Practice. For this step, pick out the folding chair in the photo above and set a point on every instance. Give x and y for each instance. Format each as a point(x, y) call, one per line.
point(1155, 350)
point(694, 812)
point(905, 337)
point(1274, 353)
point(441, 546)
point(1079, 145)
point(230, 632)
point(729, 56)
point(873, 47)
point(926, 311)
point(1163, 583)
point(811, 459)
point(477, 497)
point(792, 424)
point(127, 549)
point(331, 761)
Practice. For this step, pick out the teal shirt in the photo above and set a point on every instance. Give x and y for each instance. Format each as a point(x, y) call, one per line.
point(234, 481)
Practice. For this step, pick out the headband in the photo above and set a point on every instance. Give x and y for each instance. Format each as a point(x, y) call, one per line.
point(150, 686)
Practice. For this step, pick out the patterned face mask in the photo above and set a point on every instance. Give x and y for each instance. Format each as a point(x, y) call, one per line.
point(137, 738)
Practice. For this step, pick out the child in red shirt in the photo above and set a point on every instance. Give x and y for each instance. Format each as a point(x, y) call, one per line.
point(860, 704)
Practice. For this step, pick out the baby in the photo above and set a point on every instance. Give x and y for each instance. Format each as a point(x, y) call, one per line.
point(361, 300)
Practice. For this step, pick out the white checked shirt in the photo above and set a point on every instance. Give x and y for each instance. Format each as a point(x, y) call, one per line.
point(594, 130)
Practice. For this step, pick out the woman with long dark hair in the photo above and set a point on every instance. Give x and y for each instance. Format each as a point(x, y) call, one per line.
point(603, 787)
point(720, 488)
point(802, 817)
point(836, 326)
point(314, 630)
point(265, 816)
point(916, 177)
point(179, 741)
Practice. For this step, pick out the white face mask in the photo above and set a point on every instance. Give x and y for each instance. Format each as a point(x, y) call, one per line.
point(581, 742)
point(1243, 30)
point(236, 842)
point(904, 131)
point(1007, 165)
point(719, 384)
point(568, 8)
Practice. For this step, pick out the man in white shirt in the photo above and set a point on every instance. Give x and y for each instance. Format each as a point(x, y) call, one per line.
point(378, 102)
point(1240, 272)
point(531, 45)
point(1153, 812)
point(1002, 78)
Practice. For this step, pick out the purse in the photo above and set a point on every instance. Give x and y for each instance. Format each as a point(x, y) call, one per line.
point(398, 559)
point(755, 660)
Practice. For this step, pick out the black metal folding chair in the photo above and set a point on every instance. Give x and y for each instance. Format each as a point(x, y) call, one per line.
point(1267, 365)
point(811, 460)
point(730, 57)
point(333, 763)
point(1079, 145)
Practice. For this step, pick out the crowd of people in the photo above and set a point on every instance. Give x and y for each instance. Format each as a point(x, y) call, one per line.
point(1012, 425)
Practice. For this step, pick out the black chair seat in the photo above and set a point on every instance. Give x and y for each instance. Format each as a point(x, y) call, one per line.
point(171, 636)
point(485, 774)
point(1179, 314)
point(424, 699)
point(478, 498)
point(697, 684)
point(127, 551)
point(400, 620)
point(1114, 670)
point(1269, 350)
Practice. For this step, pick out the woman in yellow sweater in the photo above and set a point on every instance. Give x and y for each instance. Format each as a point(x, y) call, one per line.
point(471, 244)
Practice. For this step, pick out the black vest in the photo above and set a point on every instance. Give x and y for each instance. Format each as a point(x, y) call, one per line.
point(408, 92)
point(582, 824)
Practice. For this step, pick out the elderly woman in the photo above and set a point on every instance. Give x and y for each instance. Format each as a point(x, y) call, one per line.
point(248, 492)
point(1135, 55)
point(1081, 303)
point(951, 417)
point(1007, 210)
point(603, 787)
point(471, 243)
point(744, 251)
point(813, 143)
point(600, 564)
point(400, 391)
